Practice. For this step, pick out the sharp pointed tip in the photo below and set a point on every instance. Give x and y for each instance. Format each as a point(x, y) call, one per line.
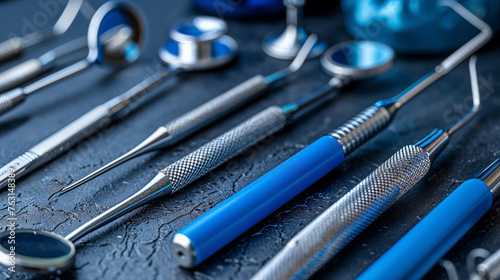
point(64, 190)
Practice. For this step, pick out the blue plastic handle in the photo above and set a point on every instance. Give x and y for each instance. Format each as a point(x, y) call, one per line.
point(423, 246)
point(238, 213)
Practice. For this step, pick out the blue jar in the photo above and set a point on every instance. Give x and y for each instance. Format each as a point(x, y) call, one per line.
point(416, 26)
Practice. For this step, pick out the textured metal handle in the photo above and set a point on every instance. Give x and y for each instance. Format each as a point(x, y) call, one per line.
point(361, 128)
point(224, 147)
point(72, 133)
point(10, 99)
point(19, 74)
point(319, 241)
point(223, 104)
point(10, 48)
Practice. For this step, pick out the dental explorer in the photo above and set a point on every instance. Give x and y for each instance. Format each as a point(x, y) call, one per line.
point(200, 117)
point(331, 231)
point(272, 190)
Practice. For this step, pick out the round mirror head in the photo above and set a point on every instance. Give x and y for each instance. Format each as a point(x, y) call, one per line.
point(116, 35)
point(199, 43)
point(36, 250)
point(358, 60)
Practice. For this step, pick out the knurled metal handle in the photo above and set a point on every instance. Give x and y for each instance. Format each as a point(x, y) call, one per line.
point(225, 147)
point(71, 134)
point(324, 237)
point(10, 48)
point(19, 74)
point(10, 99)
point(361, 128)
point(215, 108)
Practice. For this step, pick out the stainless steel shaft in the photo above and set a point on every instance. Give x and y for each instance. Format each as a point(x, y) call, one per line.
point(10, 49)
point(224, 147)
point(215, 108)
point(324, 237)
point(10, 99)
point(20, 73)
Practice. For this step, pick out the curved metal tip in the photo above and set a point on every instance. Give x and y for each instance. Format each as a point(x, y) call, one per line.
point(467, 15)
point(67, 17)
point(474, 44)
point(297, 62)
point(476, 98)
point(301, 57)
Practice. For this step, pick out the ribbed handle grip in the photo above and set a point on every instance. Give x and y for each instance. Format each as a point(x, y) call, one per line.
point(10, 99)
point(423, 246)
point(361, 128)
point(10, 48)
point(214, 109)
point(72, 133)
point(19, 74)
point(319, 241)
point(225, 147)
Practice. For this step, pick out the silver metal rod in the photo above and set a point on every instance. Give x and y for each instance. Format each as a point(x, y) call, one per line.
point(59, 75)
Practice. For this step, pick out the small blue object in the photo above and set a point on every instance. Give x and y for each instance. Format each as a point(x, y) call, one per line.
point(112, 19)
point(416, 26)
point(241, 8)
point(423, 246)
point(238, 213)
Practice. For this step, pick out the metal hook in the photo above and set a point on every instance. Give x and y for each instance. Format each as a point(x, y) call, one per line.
point(476, 97)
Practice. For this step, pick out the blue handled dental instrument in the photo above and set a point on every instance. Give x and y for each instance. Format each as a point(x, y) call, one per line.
point(331, 231)
point(265, 195)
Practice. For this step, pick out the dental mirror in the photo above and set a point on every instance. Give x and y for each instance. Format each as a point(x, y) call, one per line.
point(115, 39)
point(198, 43)
point(54, 252)
point(358, 60)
